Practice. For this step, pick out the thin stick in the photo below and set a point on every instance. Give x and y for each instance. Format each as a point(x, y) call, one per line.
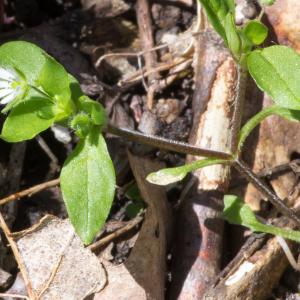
point(268, 173)
point(166, 144)
point(109, 238)
point(14, 296)
point(143, 15)
point(18, 258)
point(29, 192)
point(137, 76)
point(242, 168)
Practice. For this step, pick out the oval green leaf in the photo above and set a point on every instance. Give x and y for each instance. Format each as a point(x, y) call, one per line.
point(25, 57)
point(171, 175)
point(88, 184)
point(28, 118)
point(237, 212)
point(276, 70)
point(255, 32)
point(233, 39)
point(54, 78)
point(214, 10)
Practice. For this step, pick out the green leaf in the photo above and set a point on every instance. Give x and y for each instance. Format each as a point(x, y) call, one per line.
point(82, 124)
point(216, 12)
point(233, 39)
point(255, 32)
point(41, 72)
point(75, 88)
point(276, 70)
point(230, 6)
point(94, 109)
point(55, 81)
point(171, 175)
point(239, 213)
point(291, 115)
point(133, 193)
point(134, 208)
point(54, 78)
point(28, 118)
point(88, 184)
point(246, 45)
point(25, 57)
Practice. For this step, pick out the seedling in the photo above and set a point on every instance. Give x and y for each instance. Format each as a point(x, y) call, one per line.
point(276, 71)
point(38, 92)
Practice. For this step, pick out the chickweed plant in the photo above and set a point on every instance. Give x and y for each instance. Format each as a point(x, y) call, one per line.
point(37, 92)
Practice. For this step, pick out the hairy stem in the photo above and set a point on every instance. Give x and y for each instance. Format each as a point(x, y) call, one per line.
point(242, 168)
point(238, 107)
point(166, 144)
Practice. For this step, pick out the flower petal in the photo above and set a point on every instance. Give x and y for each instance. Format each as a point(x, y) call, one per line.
point(5, 92)
point(7, 99)
point(4, 84)
point(8, 75)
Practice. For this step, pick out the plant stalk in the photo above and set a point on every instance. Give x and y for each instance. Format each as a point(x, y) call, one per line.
point(238, 107)
point(166, 144)
point(242, 168)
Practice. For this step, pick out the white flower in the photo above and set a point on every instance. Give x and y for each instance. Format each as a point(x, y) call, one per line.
point(11, 85)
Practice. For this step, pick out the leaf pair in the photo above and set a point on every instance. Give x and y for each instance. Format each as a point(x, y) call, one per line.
point(276, 70)
point(52, 95)
point(221, 15)
point(48, 97)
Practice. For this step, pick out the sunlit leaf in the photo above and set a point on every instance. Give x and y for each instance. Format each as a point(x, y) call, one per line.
point(171, 175)
point(239, 213)
point(88, 185)
point(28, 118)
point(255, 32)
point(276, 70)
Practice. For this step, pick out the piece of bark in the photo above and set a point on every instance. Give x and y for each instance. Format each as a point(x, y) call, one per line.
point(254, 277)
point(143, 13)
point(142, 276)
point(197, 256)
point(150, 267)
point(209, 53)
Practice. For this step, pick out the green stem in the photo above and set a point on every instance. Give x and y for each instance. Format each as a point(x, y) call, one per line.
point(238, 107)
point(253, 122)
point(289, 114)
point(285, 233)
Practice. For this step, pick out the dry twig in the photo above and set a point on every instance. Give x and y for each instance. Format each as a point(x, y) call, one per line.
point(18, 257)
point(16, 296)
point(111, 237)
point(30, 191)
point(145, 29)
